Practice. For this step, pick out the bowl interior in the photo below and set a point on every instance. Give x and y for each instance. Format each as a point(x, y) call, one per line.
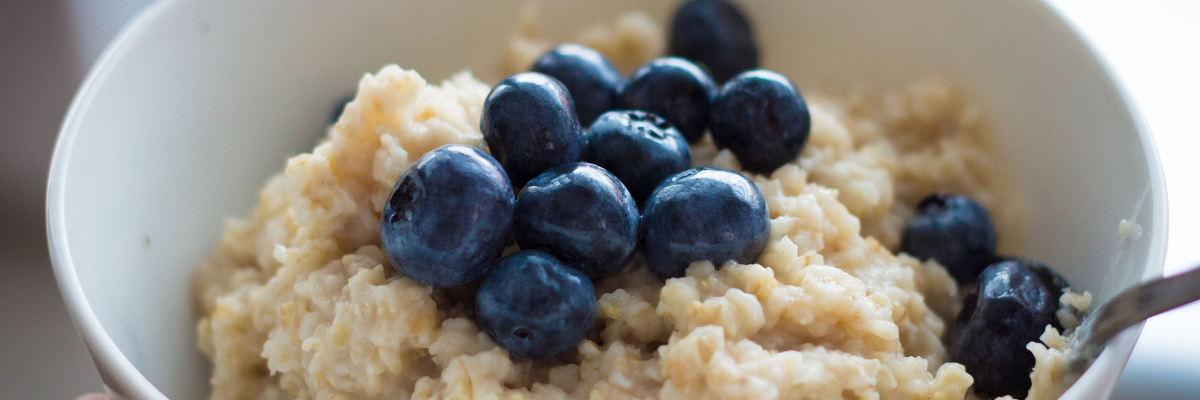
point(200, 101)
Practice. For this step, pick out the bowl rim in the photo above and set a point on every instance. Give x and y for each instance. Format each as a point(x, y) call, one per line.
point(1156, 188)
point(122, 378)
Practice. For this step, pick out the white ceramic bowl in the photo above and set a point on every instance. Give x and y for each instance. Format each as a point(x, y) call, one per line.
point(197, 102)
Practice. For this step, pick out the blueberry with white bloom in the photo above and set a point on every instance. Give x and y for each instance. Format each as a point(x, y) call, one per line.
point(1010, 306)
point(530, 126)
point(535, 306)
point(676, 90)
point(594, 83)
point(581, 214)
point(703, 214)
point(639, 148)
point(954, 230)
point(716, 34)
point(448, 217)
point(761, 117)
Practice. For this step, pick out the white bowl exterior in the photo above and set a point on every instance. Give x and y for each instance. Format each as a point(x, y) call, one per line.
point(198, 102)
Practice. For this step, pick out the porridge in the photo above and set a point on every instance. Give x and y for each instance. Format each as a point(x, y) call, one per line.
point(299, 299)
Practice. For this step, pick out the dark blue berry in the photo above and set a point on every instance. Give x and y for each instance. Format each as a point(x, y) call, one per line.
point(581, 214)
point(716, 34)
point(448, 217)
point(535, 306)
point(762, 119)
point(954, 230)
point(676, 90)
point(640, 148)
point(530, 126)
point(703, 214)
point(1051, 280)
point(594, 83)
point(1010, 306)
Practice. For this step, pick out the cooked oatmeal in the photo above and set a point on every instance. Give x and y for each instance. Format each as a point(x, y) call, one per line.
point(298, 301)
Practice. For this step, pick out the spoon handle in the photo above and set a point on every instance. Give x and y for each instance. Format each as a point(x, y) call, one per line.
point(1129, 307)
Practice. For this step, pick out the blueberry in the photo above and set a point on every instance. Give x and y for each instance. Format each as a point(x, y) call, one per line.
point(703, 214)
point(762, 119)
point(594, 83)
point(534, 306)
point(954, 230)
point(1010, 306)
point(674, 89)
point(640, 148)
point(581, 214)
point(716, 34)
point(530, 126)
point(448, 217)
point(1051, 279)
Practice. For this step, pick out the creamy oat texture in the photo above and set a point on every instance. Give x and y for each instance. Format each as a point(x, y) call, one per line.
point(299, 301)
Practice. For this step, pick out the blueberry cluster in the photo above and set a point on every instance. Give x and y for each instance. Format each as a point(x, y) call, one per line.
point(602, 169)
point(758, 114)
point(1010, 301)
point(709, 84)
point(450, 215)
point(587, 149)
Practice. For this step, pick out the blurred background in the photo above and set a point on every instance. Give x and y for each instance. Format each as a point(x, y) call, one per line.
point(47, 46)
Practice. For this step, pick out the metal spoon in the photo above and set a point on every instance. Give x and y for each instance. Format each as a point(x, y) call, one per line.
point(1127, 308)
